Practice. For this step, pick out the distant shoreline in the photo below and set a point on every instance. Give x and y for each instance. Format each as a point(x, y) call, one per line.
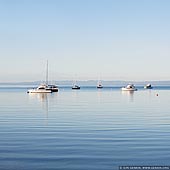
point(89, 83)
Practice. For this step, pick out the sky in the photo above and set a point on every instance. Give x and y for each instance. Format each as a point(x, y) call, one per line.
point(84, 40)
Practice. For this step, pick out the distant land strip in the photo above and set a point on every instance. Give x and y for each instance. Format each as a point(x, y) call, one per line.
point(91, 83)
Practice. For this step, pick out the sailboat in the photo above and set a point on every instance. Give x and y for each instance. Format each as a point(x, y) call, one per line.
point(75, 86)
point(51, 87)
point(44, 88)
point(99, 85)
point(129, 87)
point(148, 86)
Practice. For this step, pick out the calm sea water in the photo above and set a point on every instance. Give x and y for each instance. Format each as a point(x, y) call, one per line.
point(88, 129)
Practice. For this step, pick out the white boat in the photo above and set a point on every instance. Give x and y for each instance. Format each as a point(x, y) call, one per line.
point(148, 86)
point(99, 85)
point(44, 88)
point(40, 89)
point(129, 87)
point(75, 87)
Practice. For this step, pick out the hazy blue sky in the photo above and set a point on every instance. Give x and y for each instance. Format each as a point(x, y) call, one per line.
point(87, 39)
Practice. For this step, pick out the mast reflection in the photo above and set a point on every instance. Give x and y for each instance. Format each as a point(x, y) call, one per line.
point(130, 95)
point(43, 99)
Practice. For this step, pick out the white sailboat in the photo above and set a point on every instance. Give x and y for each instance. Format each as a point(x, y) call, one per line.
point(44, 88)
point(75, 86)
point(99, 85)
point(148, 86)
point(129, 87)
point(51, 87)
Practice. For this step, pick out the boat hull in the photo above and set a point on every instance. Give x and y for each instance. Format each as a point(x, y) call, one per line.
point(148, 87)
point(39, 91)
point(128, 89)
point(53, 90)
point(99, 87)
point(76, 88)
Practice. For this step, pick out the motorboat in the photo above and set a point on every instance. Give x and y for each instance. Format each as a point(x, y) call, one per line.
point(53, 88)
point(40, 89)
point(148, 86)
point(129, 87)
point(75, 87)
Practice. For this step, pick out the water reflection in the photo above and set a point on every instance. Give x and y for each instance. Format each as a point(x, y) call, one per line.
point(99, 95)
point(130, 95)
point(43, 99)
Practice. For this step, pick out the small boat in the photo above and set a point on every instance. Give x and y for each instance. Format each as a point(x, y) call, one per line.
point(53, 88)
point(129, 87)
point(44, 88)
point(99, 85)
point(148, 86)
point(40, 89)
point(75, 87)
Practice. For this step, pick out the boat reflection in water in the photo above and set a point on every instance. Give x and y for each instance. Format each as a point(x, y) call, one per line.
point(130, 95)
point(42, 98)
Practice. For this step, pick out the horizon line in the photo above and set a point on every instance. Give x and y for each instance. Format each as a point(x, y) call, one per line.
point(87, 81)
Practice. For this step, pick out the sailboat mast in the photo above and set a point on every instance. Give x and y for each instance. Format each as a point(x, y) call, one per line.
point(47, 74)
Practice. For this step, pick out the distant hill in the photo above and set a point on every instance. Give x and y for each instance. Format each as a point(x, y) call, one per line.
point(91, 83)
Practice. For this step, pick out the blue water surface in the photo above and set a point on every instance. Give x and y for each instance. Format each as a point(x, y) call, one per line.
point(86, 129)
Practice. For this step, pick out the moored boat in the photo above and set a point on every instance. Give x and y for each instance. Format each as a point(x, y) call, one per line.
point(53, 88)
point(129, 87)
point(75, 87)
point(40, 89)
point(44, 88)
point(99, 85)
point(148, 86)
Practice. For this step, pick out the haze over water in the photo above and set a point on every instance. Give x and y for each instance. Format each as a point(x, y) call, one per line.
point(88, 129)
